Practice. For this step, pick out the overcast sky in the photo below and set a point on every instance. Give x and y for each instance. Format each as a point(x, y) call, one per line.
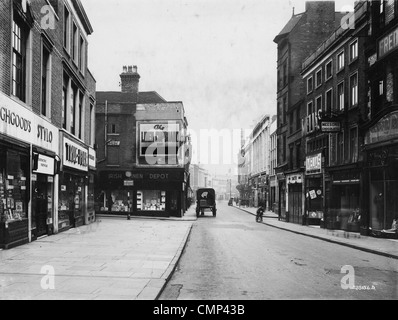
point(216, 56)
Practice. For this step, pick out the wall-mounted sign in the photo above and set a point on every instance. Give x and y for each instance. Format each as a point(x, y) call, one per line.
point(46, 165)
point(74, 155)
point(388, 43)
point(293, 179)
point(313, 164)
point(385, 129)
point(92, 158)
point(330, 126)
point(22, 124)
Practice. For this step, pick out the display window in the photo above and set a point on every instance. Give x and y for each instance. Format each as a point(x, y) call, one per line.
point(151, 200)
point(117, 201)
point(314, 198)
point(14, 182)
point(71, 200)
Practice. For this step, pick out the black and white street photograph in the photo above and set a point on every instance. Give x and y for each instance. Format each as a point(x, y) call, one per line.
point(198, 155)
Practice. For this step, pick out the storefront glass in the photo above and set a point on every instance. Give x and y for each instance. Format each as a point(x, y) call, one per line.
point(71, 201)
point(14, 184)
point(151, 200)
point(383, 196)
point(42, 203)
point(344, 207)
point(314, 198)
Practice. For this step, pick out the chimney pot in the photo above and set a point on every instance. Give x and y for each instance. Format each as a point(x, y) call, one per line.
point(130, 69)
point(135, 69)
point(124, 69)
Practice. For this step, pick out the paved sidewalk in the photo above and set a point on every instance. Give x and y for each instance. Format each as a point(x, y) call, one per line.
point(384, 247)
point(112, 259)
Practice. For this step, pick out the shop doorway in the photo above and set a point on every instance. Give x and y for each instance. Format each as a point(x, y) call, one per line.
point(40, 205)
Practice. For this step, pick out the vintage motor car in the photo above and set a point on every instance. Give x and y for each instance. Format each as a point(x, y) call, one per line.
point(206, 200)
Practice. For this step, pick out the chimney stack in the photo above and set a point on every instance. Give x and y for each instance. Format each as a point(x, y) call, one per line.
point(130, 80)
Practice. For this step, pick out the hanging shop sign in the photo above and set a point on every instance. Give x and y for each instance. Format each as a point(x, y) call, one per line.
point(45, 165)
point(388, 43)
point(385, 129)
point(22, 124)
point(314, 164)
point(74, 155)
point(330, 126)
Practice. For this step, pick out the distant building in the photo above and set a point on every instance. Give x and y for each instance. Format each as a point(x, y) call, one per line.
point(143, 152)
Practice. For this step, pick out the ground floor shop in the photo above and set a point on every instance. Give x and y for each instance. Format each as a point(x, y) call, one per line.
point(76, 185)
point(143, 192)
point(295, 198)
point(344, 199)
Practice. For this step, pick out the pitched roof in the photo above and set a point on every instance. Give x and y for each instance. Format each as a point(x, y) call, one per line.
point(289, 26)
point(123, 97)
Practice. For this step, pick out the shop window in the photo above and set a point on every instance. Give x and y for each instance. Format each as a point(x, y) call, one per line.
point(151, 200)
point(14, 183)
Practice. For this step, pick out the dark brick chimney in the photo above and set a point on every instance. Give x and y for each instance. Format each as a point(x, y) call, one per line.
point(130, 80)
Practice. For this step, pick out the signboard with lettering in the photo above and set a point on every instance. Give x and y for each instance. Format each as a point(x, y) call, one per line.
point(92, 158)
point(313, 164)
point(22, 124)
point(388, 43)
point(46, 165)
point(330, 126)
point(74, 155)
point(295, 179)
point(385, 129)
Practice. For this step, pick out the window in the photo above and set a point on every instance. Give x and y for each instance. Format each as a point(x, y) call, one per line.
point(298, 118)
point(310, 84)
point(113, 128)
point(310, 108)
point(92, 124)
point(73, 110)
point(151, 200)
point(45, 82)
point(329, 101)
point(381, 87)
point(75, 44)
point(340, 96)
point(340, 61)
point(354, 50)
point(329, 70)
point(318, 78)
point(284, 109)
point(66, 29)
point(285, 74)
point(82, 55)
point(354, 89)
point(284, 148)
point(291, 122)
point(318, 104)
point(340, 147)
point(65, 101)
point(81, 116)
point(354, 144)
point(19, 39)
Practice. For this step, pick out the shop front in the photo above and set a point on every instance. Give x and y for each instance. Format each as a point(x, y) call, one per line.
point(295, 197)
point(28, 147)
point(74, 184)
point(142, 192)
point(381, 177)
point(314, 190)
point(345, 199)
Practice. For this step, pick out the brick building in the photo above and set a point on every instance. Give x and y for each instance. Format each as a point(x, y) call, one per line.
point(379, 131)
point(143, 152)
point(43, 43)
point(298, 39)
point(335, 106)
